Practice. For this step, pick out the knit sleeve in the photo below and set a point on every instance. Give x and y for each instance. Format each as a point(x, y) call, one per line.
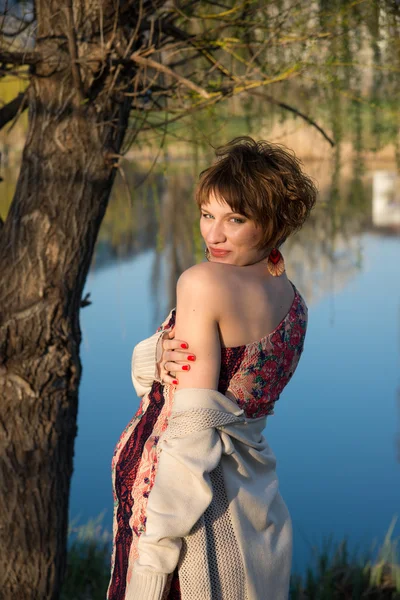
point(181, 493)
point(144, 363)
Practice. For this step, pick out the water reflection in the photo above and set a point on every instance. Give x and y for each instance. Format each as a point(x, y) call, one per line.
point(386, 201)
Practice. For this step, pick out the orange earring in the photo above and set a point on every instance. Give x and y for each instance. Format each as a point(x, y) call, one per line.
point(275, 263)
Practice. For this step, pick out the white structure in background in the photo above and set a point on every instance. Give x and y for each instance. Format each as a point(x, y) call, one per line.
point(385, 199)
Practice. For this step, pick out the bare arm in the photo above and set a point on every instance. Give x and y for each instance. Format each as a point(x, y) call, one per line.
point(196, 323)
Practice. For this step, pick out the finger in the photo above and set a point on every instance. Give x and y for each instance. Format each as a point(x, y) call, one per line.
point(171, 380)
point(174, 344)
point(179, 356)
point(172, 366)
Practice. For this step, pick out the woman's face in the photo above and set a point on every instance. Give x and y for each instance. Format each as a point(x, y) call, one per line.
point(225, 230)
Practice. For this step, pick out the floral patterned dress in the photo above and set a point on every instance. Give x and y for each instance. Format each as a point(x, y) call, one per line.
point(255, 373)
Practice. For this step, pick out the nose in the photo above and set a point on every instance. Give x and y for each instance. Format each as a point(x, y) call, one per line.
point(215, 233)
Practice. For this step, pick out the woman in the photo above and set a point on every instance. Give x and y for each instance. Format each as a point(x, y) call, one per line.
point(197, 511)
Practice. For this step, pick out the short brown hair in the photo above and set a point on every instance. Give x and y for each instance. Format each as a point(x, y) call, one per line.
point(262, 181)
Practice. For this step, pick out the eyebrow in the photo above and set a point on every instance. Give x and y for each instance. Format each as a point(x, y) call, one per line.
point(230, 213)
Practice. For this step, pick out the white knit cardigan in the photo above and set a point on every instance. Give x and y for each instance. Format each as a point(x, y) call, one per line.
point(215, 510)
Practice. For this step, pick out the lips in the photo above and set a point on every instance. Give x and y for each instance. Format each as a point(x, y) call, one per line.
point(219, 252)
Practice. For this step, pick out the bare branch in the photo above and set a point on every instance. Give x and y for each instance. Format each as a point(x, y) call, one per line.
point(10, 110)
point(148, 62)
point(30, 57)
point(182, 35)
point(21, 29)
point(234, 89)
point(86, 301)
point(295, 111)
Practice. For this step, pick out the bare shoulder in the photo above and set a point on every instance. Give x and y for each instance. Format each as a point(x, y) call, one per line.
point(203, 278)
point(201, 286)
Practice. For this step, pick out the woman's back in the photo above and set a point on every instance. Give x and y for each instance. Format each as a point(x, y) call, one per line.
point(252, 303)
point(254, 374)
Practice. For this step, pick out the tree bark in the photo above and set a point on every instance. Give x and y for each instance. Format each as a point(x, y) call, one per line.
point(46, 246)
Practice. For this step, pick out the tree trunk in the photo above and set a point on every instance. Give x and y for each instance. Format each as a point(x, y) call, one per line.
point(46, 246)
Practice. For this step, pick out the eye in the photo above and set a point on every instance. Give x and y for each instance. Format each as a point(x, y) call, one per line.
point(237, 219)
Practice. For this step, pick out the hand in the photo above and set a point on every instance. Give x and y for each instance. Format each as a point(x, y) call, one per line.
point(173, 358)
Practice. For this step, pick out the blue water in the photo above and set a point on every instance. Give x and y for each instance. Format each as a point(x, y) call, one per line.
point(336, 427)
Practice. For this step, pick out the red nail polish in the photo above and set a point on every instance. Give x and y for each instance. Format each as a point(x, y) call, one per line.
point(191, 357)
point(175, 382)
point(186, 367)
point(184, 345)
